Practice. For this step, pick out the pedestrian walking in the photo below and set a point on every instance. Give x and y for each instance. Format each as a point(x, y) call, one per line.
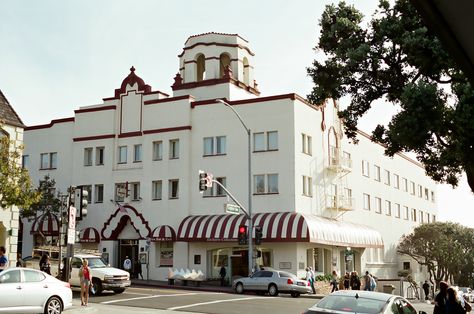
point(312, 279)
point(138, 269)
point(426, 290)
point(440, 299)
point(347, 281)
point(308, 276)
point(373, 283)
point(334, 281)
point(85, 278)
point(453, 304)
point(222, 273)
point(127, 264)
point(367, 281)
point(3, 258)
point(355, 281)
point(45, 264)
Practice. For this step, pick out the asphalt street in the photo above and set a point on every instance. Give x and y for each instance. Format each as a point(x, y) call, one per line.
point(165, 300)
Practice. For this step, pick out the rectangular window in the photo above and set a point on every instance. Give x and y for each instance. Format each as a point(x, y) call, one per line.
point(396, 181)
point(307, 186)
point(365, 168)
point(397, 211)
point(137, 153)
point(157, 150)
point(420, 191)
point(434, 218)
point(157, 187)
point(427, 196)
point(99, 155)
point(120, 192)
point(388, 208)
point(135, 191)
point(377, 173)
point(88, 156)
point(366, 201)
point(428, 218)
point(208, 146)
point(307, 144)
point(378, 205)
point(266, 184)
point(387, 177)
point(272, 140)
point(413, 214)
point(173, 189)
point(412, 188)
point(174, 149)
point(259, 184)
point(214, 146)
point(25, 162)
point(259, 142)
point(221, 145)
point(405, 212)
point(122, 152)
point(433, 196)
point(219, 190)
point(420, 216)
point(346, 159)
point(99, 193)
point(48, 160)
point(272, 183)
point(405, 185)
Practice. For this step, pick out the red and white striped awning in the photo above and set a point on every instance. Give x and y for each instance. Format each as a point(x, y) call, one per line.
point(163, 233)
point(89, 235)
point(46, 224)
point(280, 227)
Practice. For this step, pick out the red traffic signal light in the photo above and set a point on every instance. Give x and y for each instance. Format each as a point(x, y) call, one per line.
point(242, 235)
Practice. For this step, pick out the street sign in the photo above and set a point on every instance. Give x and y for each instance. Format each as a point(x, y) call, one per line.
point(72, 217)
point(232, 209)
point(71, 236)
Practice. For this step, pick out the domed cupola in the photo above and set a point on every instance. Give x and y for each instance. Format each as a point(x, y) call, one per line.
point(131, 80)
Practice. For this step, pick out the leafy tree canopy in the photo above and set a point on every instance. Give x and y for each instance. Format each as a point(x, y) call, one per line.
point(397, 59)
point(15, 183)
point(49, 200)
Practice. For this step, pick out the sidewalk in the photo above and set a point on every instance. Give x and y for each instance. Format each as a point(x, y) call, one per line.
point(202, 287)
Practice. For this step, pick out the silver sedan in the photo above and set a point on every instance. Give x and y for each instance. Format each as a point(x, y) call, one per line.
point(273, 282)
point(26, 290)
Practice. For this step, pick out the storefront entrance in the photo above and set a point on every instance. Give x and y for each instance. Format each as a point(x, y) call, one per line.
point(240, 263)
point(128, 248)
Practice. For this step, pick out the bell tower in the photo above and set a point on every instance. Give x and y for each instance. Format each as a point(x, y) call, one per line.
point(216, 65)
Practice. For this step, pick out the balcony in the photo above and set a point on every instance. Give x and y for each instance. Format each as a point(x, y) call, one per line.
point(339, 162)
point(340, 202)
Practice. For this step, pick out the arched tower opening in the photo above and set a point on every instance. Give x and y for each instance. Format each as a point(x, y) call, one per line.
point(224, 61)
point(200, 67)
point(245, 61)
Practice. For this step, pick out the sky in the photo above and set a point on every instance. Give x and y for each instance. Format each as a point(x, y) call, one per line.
point(57, 56)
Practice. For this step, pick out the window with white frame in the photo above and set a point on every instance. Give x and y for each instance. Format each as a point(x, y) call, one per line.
point(378, 205)
point(366, 201)
point(265, 141)
point(307, 186)
point(413, 214)
point(396, 181)
point(388, 208)
point(420, 216)
point(216, 189)
point(412, 188)
point(433, 196)
point(427, 196)
point(265, 183)
point(135, 191)
point(420, 191)
point(156, 190)
point(307, 144)
point(99, 193)
point(365, 168)
point(387, 177)
point(405, 184)
point(25, 162)
point(376, 173)
point(397, 210)
point(405, 212)
point(99, 156)
point(157, 150)
point(120, 192)
point(88, 156)
point(173, 189)
point(165, 258)
point(137, 153)
point(174, 149)
point(428, 218)
point(48, 161)
point(214, 146)
point(433, 218)
point(122, 154)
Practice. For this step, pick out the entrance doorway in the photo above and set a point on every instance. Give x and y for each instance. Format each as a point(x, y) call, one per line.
point(128, 248)
point(240, 263)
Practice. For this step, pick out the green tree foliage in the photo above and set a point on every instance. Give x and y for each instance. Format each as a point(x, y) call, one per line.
point(395, 58)
point(15, 183)
point(48, 202)
point(445, 248)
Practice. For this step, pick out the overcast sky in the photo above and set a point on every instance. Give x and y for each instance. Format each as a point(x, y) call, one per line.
point(56, 56)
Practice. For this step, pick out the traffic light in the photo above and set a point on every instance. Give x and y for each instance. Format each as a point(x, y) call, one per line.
point(242, 235)
point(258, 235)
point(202, 181)
point(81, 202)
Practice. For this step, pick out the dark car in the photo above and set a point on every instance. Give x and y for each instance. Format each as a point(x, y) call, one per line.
point(356, 301)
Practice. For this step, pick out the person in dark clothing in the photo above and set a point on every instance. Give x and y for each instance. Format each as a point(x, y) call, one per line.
point(453, 304)
point(347, 281)
point(222, 273)
point(45, 264)
point(355, 281)
point(440, 299)
point(426, 290)
point(138, 269)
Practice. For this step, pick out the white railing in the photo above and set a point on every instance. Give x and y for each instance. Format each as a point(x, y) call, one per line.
point(338, 161)
point(340, 202)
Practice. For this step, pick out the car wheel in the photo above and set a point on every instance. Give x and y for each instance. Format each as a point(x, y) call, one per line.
point(295, 294)
point(273, 290)
point(53, 306)
point(118, 291)
point(239, 288)
point(96, 287)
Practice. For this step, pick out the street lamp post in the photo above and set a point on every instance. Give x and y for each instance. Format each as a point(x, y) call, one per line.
point(249, 216)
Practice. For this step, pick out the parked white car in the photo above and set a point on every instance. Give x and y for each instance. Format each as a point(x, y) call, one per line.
point(26, 290)
point(467, 294)
point(104, 277)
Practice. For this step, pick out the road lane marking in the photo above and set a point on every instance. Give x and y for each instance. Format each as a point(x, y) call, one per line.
point(156, 296)
point(210, 302)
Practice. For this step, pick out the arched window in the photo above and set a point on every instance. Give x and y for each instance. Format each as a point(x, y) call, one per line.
point(246, 71)
point(224, 61)
point(200, 68)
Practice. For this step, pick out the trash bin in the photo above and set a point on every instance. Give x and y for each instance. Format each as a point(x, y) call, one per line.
point(388, 289)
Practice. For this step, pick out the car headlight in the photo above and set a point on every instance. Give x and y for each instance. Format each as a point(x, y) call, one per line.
point(108, 277)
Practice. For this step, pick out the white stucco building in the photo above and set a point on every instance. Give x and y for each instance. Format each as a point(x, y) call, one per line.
point(320, 200)
point(11, 127)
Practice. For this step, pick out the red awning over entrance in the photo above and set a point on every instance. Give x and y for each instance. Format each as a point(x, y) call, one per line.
point(89, 235)
point(163, 233)
point(280, 227)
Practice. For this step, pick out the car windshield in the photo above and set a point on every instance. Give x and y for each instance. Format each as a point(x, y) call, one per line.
point(96, 262)
point(352, 304)
point(464, 289)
